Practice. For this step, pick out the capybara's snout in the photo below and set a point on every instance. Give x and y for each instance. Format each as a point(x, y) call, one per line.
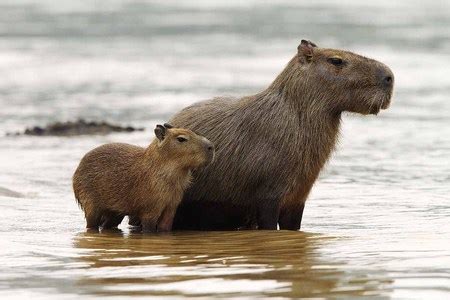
point(385, 77)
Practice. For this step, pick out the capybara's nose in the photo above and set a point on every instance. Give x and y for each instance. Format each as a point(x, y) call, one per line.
point(388, 80)
point(209, 146)
point(386, 77)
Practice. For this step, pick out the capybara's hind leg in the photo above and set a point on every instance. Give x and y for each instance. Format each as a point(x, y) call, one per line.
point(111, 220)
point(134, 221)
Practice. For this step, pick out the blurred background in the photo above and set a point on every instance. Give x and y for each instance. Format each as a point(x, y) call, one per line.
point(383, 198)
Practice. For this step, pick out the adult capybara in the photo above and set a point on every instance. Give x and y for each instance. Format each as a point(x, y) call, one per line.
point(115, 180)
point(271, 146)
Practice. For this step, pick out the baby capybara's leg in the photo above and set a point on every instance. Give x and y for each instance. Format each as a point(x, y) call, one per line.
point(92, 213)
point(111, 220)
point(93, 219)
point(149, 222)
point(134, 221)
point(166, 220)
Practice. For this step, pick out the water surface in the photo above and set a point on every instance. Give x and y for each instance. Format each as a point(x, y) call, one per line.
point(376, 223)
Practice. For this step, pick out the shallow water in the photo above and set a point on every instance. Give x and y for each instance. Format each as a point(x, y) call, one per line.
point(376, 223)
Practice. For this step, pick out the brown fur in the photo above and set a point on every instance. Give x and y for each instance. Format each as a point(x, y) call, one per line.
point(118, 179)
point(271, 146)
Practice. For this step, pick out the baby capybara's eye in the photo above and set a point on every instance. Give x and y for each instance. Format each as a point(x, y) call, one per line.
point(181, 139)
point(335, 61)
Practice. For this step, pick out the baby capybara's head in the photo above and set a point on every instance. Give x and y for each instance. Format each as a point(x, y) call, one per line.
point(344, 80)
point(188, 149)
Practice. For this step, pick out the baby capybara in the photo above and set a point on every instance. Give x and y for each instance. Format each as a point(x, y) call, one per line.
point(117, 179)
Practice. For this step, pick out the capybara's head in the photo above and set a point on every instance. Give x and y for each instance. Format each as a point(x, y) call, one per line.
point(183, 146)
point(344, 81)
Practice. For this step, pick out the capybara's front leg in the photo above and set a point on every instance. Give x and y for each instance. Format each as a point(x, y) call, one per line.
point(267, 214)
point(166, 220)
point(149, 223)
point(291, 217)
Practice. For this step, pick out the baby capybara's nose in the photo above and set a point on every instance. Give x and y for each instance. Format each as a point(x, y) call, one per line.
point(209, 146)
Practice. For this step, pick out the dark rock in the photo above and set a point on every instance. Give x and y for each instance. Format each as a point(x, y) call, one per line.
point(79, 127)
point(10, 193)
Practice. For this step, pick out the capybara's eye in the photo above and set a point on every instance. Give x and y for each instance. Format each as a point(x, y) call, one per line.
point(181, 139)
point(335, 61)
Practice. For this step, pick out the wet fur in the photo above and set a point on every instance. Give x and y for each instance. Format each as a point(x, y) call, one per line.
point(115, 180)
point(270, 147)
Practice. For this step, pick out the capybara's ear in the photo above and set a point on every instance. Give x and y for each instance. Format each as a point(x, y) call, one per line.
point(167, 125)
point(160, 132)
point(306, 51)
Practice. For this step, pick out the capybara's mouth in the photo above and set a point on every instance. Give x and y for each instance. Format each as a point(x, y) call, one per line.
point(386, 103)
point(375, 109)
point(211, 158)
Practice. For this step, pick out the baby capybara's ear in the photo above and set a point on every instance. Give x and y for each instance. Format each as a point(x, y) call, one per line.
point(306, 51)
point(160, 132)
point(168, 126)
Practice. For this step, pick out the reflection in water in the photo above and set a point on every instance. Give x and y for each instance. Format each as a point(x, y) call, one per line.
point(244, 263)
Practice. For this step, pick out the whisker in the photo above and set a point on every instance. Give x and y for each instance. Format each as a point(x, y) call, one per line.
point(370, 107)
point(381, 103)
